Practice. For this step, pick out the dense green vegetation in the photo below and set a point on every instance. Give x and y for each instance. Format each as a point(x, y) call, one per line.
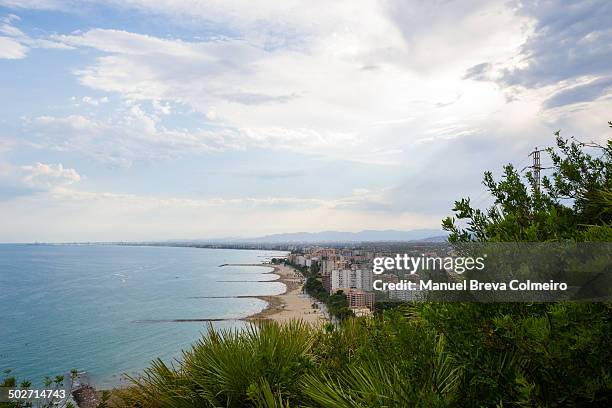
point(338, 305)
point(314, 288)
point(431, 354)
point(422, 355)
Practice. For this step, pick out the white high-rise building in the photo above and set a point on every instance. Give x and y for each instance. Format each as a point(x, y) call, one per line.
point(351, 279)
point(326, 266)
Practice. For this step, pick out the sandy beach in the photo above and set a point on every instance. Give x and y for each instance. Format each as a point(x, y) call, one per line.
point(292, 304)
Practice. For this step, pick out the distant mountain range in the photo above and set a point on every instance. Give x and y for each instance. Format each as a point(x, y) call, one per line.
point(431, 235)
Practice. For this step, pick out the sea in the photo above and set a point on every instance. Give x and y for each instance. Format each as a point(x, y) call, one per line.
point(109, 310)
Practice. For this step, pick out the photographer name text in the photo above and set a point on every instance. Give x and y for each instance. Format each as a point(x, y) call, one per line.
point(469, 285)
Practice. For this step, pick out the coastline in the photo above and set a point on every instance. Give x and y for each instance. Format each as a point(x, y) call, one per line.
point(292, 304)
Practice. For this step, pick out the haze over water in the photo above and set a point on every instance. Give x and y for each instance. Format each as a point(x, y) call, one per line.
point(108, 309)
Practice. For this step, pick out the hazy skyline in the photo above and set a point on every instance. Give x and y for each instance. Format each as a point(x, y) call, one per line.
point(160, 119)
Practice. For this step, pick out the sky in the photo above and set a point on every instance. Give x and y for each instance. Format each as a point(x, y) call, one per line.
point(195, 119)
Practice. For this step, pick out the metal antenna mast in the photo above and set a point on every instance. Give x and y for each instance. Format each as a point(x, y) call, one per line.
point(536, 166)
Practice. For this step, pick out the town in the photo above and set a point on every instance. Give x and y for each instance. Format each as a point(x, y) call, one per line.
point(343, 277)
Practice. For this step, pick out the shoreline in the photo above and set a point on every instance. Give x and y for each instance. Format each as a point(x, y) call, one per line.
point(292, 304)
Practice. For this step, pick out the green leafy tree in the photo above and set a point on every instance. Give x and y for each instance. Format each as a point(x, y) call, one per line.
point(555, 354)
point(338, 305)
point(573, 203)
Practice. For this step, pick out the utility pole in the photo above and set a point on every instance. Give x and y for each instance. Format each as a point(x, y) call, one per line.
point(536, 166)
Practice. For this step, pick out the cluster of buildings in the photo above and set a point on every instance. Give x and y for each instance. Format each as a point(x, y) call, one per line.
point(350, 270)
point(346, 270)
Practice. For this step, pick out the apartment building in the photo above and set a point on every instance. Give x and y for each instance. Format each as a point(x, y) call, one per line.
point(351, 279)
point(360, 299)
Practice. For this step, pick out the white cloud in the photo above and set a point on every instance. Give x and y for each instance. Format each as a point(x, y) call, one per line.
point(293, 78)
point(33, 4)
point(133, 136)
point(136, 135)
point(94, 101)
point(48, 176)
point(11, 49)
point(340, 96)
point(565, 57)
point(9, 30)
point(162, 109)
point(123, 42)
point(15, 44)
point(18, 181)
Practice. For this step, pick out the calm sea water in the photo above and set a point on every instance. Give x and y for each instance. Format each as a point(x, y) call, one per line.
point(108, 309)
